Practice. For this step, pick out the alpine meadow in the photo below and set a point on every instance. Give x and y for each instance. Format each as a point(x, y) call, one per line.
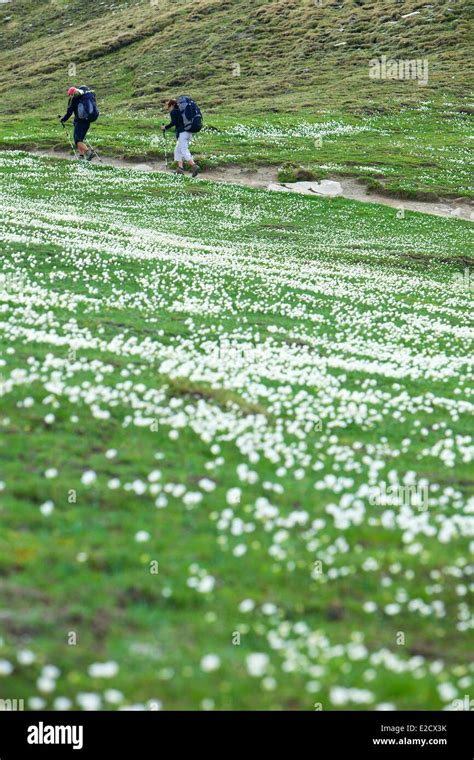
point(236, 389)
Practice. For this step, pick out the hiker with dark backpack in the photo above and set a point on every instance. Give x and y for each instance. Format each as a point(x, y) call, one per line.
point(186, 118)
point(82, 103)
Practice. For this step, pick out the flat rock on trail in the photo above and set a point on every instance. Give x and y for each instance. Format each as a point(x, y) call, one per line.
point(266, 177)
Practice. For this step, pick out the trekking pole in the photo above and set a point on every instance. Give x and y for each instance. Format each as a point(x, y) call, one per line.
point(166, 148)
point(94, 151)
point(70, 141)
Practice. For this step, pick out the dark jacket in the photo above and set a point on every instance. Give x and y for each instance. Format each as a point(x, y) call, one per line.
point(176, 121)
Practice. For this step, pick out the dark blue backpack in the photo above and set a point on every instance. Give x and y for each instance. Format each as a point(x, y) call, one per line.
point(87, 106)
point(191, 113)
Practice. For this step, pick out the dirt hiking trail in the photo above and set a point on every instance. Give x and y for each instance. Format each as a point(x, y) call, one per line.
point(266, 177)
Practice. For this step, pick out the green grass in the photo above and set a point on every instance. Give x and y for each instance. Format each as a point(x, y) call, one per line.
point(309, 352)
point(196, 332)
point(417, 153)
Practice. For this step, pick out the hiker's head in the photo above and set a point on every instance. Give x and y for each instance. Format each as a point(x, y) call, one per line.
point(72, 91)
point(170, 104)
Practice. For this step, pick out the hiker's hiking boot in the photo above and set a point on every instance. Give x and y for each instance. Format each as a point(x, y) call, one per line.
point(196, 170)
point(90, 155)
point(179, 170)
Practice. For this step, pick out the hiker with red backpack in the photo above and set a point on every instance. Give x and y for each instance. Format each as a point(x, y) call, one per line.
point(186, 118)
point(82, 103)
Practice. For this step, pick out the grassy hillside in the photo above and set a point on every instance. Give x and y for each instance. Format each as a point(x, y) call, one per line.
point(291, 53)
point(264, 66)
point(214, 403)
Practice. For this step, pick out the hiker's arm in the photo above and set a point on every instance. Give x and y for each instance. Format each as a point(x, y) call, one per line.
point(69, 112)
point(173, 121)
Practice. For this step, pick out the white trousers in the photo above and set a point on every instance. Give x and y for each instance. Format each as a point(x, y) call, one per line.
point(182, 152)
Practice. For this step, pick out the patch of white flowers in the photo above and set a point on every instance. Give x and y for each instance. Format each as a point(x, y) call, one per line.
point(327, 395)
